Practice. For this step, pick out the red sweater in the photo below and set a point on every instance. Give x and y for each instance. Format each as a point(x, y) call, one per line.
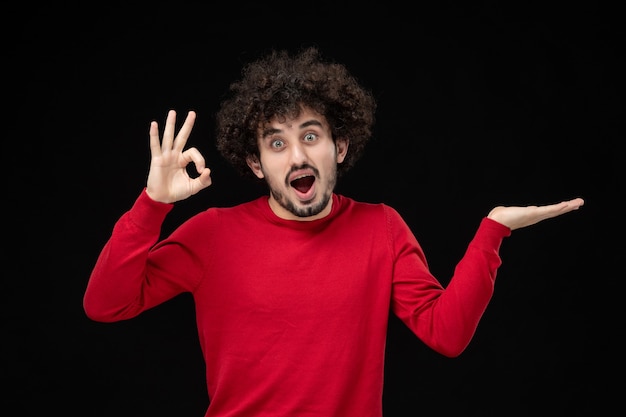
point(292, 315)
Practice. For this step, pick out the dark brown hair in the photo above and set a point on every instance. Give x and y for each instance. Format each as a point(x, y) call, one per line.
point(279, 85)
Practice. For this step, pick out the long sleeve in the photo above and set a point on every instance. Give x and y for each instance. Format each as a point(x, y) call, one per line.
point(114, 291)
point(446, 318)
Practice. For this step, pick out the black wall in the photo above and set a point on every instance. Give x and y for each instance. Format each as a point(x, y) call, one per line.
point(479, 105)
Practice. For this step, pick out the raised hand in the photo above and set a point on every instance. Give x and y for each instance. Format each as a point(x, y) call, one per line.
point(517, 217)
point(168, 179)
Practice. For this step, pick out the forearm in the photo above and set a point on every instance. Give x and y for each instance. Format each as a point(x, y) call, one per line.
point(114, 290)
point(446, 319)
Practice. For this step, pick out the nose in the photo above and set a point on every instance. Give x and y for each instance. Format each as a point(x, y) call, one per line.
point(298, 153)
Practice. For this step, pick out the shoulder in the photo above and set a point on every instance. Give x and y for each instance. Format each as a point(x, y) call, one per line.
point(354, 207)
point(226, 213)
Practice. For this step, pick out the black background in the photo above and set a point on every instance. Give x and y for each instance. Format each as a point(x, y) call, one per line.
point(479, 105)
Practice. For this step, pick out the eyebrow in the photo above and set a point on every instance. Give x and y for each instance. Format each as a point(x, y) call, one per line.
point(271, 130)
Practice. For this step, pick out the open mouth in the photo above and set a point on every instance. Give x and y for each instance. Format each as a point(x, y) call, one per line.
point(303, 184)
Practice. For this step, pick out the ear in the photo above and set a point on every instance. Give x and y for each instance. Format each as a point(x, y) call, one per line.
point(255, 165)
point(342, 149)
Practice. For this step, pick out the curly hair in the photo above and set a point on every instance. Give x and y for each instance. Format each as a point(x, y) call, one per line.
point(279, 85)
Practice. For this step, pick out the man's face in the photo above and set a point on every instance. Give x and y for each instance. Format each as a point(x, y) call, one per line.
point(298, 160)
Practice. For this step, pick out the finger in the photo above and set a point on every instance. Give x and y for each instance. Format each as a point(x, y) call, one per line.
point(193, 155)
point(168, 133)
point(567, 206)
point(155, 141)
point(558, 209)
point(576, 203)
point(183, 134)
point(202, 181)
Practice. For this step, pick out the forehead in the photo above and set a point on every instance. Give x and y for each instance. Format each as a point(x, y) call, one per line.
point(302, 119)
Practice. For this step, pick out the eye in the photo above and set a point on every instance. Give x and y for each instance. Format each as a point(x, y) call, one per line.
point(277, 144)
point(310, 137)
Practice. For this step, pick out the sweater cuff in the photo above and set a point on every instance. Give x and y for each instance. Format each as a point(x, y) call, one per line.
point(490, 234)
point(147, 213)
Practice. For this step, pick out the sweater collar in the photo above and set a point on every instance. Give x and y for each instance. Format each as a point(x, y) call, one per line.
point(265, 209)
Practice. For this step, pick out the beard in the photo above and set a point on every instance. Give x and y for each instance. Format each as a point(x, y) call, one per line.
point(304, 209)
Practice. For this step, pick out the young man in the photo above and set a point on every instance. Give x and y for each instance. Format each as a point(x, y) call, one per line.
point(293, 290)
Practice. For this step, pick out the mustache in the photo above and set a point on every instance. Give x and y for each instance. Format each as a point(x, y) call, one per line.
point(301, 167)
